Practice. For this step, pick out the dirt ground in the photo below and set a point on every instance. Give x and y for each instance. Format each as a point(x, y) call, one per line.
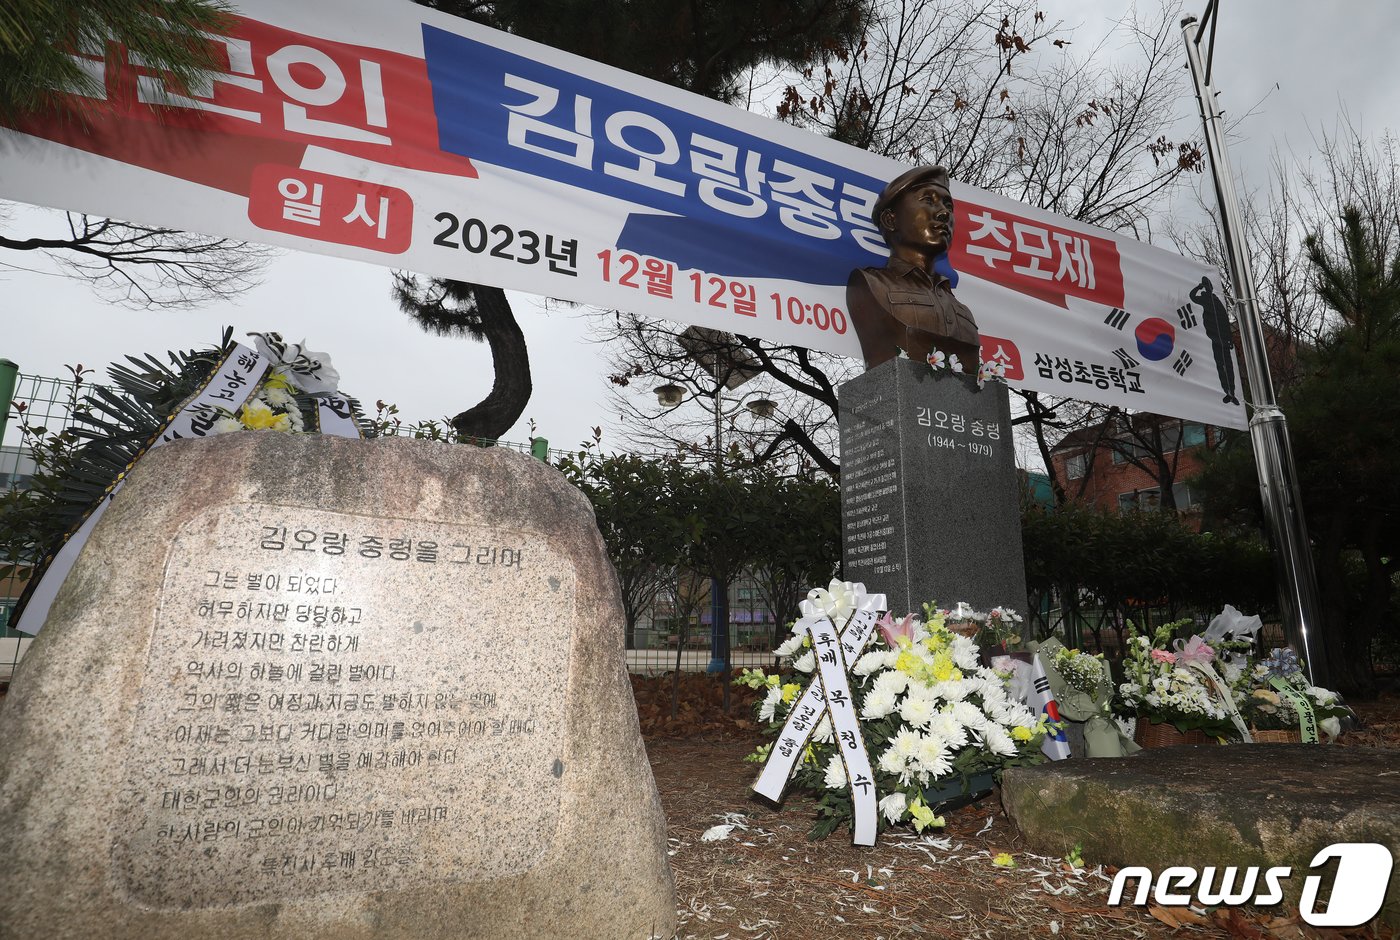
point(746, 870)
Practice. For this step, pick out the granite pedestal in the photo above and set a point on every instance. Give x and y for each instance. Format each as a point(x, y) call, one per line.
point(930, 498)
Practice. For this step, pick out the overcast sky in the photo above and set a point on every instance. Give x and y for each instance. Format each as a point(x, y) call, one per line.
point(1289, 66)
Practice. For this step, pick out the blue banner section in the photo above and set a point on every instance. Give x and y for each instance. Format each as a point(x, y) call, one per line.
point(719, 200)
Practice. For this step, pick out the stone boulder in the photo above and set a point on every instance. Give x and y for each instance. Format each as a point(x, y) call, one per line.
point(308, 688)
point(1266, 805)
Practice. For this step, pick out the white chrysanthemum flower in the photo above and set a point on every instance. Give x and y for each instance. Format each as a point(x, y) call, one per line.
point(770, 704)
point(789, 646)
point(893, 806)
point(947, 727)
point(227, 424)
point(906, 742)
point(892, 762)
point(916, 712)
point(1009, 713)
point(999, 742)
point(805, 663)
point(877, 704)
point(870, 663)
point(278, 397)
point(954, 690)
point(964, 652)
point(923, 690)
point(934, 758)
point(969, 715)
point(822, 733)
point(1322, 696)
point(835, 773)
point(892, 682)
point(991, 689)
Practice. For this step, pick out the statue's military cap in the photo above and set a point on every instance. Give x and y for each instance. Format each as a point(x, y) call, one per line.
point(920, 174)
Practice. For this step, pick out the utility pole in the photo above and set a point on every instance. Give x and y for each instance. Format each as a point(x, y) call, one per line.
point(1268, 428)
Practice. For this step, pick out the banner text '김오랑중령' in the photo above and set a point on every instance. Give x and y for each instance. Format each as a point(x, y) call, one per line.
point(455, 150)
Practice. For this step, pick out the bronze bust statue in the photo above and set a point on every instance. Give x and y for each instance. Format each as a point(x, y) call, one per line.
point(906, 304)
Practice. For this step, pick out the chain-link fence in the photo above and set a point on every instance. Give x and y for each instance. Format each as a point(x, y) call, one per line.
point(41, 404)
point(679, 634)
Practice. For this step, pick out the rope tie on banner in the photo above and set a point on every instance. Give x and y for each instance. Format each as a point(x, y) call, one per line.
point(1307, 718)
point(829, 695)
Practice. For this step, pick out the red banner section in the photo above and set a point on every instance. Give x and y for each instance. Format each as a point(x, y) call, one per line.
point(331, 208)
point(281, 93)
point(1045, 261)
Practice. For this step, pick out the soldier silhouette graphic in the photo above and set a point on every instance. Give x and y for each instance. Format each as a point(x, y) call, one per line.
point(1217, 324)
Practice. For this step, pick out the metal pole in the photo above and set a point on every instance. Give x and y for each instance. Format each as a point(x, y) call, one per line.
point(9, 375)
point(1268, 429)
point(719, 632)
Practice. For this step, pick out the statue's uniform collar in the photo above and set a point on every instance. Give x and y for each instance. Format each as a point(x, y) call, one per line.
point(898, 267)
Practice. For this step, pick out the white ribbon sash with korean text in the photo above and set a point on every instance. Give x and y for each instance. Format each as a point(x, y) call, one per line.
point(235, 379)
point(382, 131)
point(829, 695)
point(335, 415)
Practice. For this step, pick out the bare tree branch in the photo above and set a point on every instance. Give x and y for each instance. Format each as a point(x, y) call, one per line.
point(142, 266)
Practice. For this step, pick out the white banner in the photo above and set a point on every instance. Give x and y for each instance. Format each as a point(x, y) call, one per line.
point(385, 132)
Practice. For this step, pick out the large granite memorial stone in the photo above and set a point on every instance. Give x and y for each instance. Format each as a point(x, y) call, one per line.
point(930, 499)
point(311, 688)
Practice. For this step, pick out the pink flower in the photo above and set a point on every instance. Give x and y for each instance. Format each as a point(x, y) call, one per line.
point(893, 633)
point(1162, 656)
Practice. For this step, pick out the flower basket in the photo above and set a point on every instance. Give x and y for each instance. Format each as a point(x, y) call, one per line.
point(1276, 736)
point(1150, 734)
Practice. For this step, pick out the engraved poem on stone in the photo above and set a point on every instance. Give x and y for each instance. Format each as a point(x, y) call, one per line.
point(333, 700)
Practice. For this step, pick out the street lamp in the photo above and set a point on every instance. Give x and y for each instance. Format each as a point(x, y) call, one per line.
point(670, 396)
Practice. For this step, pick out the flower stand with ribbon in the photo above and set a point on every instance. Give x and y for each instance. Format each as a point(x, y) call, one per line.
point(829, 697)
point(885, 722)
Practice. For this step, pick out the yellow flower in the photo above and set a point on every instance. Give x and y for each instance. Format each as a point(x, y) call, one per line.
point(923, 816)
point(790, 692)
point(1020, 733)
point(257, 416)
point(944, 669)
point(909, 664)
point(1004, 860)
point(277, 378)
